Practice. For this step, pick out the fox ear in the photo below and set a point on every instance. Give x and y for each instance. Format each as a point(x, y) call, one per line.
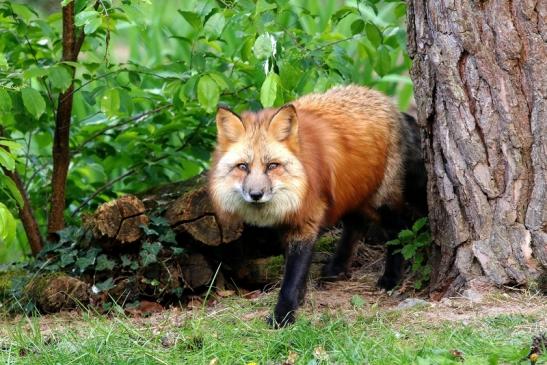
point(284, 124)
point(229, 125)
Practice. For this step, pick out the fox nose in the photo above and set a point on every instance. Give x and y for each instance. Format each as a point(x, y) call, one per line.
point(256, 195)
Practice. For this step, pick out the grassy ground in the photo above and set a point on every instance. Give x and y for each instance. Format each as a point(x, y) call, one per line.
point(346, 323)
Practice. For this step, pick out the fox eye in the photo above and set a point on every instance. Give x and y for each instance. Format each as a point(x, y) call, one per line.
point(243, 167)
point(273, 166)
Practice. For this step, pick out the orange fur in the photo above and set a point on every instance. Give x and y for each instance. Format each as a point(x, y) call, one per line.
point(346, 141)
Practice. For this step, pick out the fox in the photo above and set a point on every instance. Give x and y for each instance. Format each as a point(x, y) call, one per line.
point(337, 156)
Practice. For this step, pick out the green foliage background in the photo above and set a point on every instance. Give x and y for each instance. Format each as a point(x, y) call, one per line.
point(151, 74)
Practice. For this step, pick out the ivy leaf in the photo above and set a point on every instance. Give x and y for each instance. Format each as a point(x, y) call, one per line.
point(168, 237)
point(105, 285)
point(67, 258)
point(149, 252)
point(33, 102)
point(104, 263)
point(84, 262)
point(110, 103)
point(208, 93)
point(268, 91)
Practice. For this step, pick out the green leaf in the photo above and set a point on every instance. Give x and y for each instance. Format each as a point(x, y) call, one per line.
point(85, 17)
point(149, 252)
point(8, 226)
point(7, 182)
point(268, 91)
point(6, 160)
point(104, 263)
point(33, 102)
point(60, 77)
point(342, 13)
point(192, 18)
point(3, 62)
point(67, 258)
point(419, 224)
point(357, 301)
point(208, 93)
point(35, 72)
point(263, 47)
point(373, 34)
point(110, 103)
point(105, 285)
point(12, 146)
point(5, 101)
point(357, 26)
point(383, 61)
point(92, 25)
point(405, 234)
point(408, 251)
point(263, 5)
point(214, 25)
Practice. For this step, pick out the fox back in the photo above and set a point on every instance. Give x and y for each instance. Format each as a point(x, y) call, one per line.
point(310, 162)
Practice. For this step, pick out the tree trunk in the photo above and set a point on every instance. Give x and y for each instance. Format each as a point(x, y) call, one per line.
point(480, 76)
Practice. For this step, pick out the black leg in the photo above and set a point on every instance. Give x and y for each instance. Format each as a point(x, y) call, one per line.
point(339, 265)
point(293, 289)
point(393, 223)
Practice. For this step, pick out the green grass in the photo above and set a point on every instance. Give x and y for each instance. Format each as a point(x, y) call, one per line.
point(234, 332)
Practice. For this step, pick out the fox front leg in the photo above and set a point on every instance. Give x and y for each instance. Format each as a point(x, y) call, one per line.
point(293, 289)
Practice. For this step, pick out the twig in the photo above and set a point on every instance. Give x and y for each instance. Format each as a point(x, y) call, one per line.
point(119, 124)
point(133, 169)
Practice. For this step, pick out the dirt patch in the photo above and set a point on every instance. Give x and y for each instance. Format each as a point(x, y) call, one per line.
point(357, 296)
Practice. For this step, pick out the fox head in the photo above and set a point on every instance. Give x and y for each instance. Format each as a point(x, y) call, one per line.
point(256, 174)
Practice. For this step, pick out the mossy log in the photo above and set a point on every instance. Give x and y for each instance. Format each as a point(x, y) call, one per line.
point(50, 292)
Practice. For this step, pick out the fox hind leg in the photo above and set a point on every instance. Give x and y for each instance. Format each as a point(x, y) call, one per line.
point(393, 222)
point(338, 266)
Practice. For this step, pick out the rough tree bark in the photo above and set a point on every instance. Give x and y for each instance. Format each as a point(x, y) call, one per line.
point(72, 43)
point(480, 76)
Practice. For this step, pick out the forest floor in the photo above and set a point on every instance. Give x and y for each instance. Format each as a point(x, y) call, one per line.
point(346, 322)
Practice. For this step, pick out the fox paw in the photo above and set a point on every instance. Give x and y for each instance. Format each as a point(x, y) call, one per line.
point(333, 272)
point(278, 320)
point(387, 282)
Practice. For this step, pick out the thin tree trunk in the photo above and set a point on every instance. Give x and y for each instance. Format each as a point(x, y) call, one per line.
point(27, 216)
point(61, 139)
point(25, 212)
point(480, 76)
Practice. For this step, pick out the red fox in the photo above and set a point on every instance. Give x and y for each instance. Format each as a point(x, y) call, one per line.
point(307, 165)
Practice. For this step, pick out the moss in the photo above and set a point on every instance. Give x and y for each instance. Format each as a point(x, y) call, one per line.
point(36, 287)
point(7, 280)
point(326, 243)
